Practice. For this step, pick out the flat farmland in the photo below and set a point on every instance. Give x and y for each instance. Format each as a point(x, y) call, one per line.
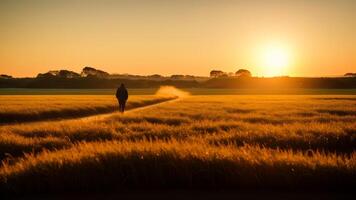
point(283, 142)
point(22, 108)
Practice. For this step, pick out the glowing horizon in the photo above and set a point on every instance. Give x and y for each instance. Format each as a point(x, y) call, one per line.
point(269, 38)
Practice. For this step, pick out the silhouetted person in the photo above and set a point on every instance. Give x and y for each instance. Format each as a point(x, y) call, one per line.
point(122, 96)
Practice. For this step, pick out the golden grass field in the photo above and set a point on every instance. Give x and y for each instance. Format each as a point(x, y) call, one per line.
point(21, 108)
point(218, 141)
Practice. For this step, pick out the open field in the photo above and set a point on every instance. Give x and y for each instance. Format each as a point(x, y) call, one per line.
point(19, 108)
point(287, 142)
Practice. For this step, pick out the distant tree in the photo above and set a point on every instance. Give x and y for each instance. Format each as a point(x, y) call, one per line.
point(243, 73)
point(68, 74)
point(59, 73)
point(92, 72)
point(4, 76)
point(49, 74)
point(217, 73)
point(350, 75)
point(54, 72)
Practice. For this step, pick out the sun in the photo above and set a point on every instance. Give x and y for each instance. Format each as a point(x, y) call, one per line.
point(275, 60)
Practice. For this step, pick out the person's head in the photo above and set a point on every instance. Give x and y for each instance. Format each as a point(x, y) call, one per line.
point(122, 85)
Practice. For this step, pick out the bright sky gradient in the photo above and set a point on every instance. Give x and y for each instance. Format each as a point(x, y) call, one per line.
point(315, 37)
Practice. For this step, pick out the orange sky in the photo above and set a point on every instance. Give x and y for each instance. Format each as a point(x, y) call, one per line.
point(177, 37)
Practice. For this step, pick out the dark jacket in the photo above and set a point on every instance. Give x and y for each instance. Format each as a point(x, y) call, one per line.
point(122, 94)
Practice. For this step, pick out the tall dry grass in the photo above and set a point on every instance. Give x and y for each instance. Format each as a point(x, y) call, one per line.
point(289, 142)
point(147, 164)
point(23, 108)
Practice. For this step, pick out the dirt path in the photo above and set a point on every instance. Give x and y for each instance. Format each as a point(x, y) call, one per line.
point(92, 117)
point(103, 116)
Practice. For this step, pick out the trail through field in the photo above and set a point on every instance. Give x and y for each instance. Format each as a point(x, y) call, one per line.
point(162, 91)
point(102, 116)
point(98, 116)
point(14, 110)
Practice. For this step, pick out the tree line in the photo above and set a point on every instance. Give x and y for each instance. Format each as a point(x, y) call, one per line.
point(238, 73)
point(242, 78)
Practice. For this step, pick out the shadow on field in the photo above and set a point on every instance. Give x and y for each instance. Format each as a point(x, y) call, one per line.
point(337, 112)
point(336, 98)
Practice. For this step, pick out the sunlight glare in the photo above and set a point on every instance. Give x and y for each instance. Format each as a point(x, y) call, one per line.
point(275, 60)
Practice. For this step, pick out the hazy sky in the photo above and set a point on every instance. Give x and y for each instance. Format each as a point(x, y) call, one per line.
point(316, 37)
